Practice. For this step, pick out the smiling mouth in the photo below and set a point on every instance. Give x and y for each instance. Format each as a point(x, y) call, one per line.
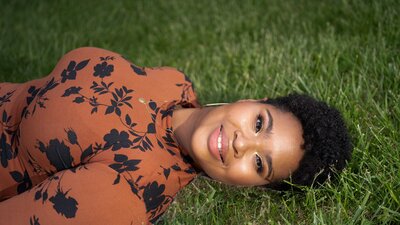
point(220, 143)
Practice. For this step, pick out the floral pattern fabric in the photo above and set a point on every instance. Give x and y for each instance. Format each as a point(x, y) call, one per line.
point(92, 143)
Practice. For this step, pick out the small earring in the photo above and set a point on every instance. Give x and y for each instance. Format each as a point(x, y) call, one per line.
point(215, 104)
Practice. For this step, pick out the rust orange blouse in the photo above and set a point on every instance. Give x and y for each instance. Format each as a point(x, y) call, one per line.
point(92, 143)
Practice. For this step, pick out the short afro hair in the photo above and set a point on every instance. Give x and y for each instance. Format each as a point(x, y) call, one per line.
point(327, 143)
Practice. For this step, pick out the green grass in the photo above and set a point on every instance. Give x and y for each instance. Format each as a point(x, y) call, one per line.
point(344, 52)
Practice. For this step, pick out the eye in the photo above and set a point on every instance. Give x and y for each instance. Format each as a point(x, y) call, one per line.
point(259, 164)
point(259, 123)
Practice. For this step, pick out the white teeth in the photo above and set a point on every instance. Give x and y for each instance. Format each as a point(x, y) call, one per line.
point(219, 142)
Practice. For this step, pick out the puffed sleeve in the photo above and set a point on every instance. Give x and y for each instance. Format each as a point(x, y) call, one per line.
point(82, 195)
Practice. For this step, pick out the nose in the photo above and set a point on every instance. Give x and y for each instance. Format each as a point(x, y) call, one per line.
point(241, 144)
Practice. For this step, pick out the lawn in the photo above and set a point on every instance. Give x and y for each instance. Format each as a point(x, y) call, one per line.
point(346, 53)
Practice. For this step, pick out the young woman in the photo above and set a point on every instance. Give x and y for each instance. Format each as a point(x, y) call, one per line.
point(103, 141)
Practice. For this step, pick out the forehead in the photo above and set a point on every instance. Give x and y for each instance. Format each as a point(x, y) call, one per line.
point(285, 141)
point(283, 144)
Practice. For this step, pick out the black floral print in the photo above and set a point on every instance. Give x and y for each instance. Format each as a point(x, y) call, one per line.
point(6, 98)
point(112, 127)
point(66, 206)
point(153, 195)
point(37, 95)
point(73, 67)
point(34, 220)
point(57, 153)
point(123, 164)
point(117, 140)
point(6, 152)
point(23, 180)
point(103, 69)
point(138, 71)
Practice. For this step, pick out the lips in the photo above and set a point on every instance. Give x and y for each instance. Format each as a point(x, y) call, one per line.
point(218, 153)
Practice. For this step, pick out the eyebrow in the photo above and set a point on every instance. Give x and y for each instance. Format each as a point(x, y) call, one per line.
point(270, 122)
point(270, 170)
point(268, 157)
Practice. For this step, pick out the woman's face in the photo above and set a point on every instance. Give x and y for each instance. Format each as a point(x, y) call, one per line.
point(247, 143)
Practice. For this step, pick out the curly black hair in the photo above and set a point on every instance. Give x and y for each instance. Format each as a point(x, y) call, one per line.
point(327, 143)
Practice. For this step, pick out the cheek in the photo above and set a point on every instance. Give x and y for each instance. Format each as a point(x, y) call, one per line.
point(242, 174)
point(233, 175)
point(200, 136)
point(239, 120)
point(238, 174)
point(199, 140)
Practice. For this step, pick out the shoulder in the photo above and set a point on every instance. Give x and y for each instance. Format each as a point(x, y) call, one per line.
point(161, 72)
point(170, 73)
point(90, 50)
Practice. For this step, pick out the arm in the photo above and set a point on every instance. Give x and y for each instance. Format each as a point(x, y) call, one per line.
point(83, 195)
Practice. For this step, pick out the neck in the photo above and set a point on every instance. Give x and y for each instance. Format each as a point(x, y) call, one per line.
point(184, 122)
